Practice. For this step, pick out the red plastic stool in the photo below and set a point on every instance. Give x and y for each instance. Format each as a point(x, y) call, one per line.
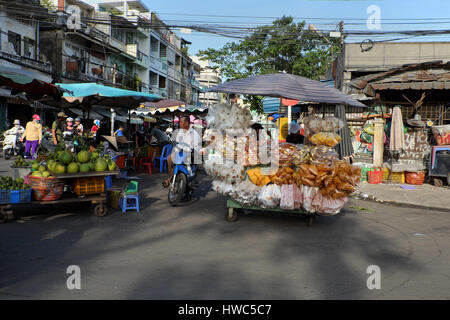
point(149, 166)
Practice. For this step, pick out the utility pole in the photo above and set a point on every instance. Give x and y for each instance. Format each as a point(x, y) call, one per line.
point(342, 46)
point(113, 113)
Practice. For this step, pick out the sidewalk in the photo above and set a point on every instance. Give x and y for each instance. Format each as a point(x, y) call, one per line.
point(424, 196)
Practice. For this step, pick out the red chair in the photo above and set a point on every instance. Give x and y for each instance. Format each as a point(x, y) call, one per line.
point(149, 162)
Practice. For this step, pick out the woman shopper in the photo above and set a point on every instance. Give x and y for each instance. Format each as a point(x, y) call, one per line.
point(33, 136)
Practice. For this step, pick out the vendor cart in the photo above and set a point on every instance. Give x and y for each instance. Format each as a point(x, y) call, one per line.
point(97, 200)
point(234, 208)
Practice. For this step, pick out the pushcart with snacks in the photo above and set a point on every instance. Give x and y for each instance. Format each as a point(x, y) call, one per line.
point(311, 180)
point(80, 187)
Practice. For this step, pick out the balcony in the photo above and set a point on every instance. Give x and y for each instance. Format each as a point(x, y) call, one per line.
point(27, 62)
point(141, 58)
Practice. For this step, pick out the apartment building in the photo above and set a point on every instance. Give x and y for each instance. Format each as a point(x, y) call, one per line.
point(208, 77)
point(115, 42)
point(20, 48)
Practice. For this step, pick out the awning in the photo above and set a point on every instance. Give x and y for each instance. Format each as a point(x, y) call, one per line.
point(163, 104)
point(20, 80)
point(289, 86)
point(107, 113)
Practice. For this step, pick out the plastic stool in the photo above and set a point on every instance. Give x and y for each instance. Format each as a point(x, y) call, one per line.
point(149, 165)
point(124, 205)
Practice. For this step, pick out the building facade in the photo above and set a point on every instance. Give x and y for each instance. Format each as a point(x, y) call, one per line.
point(208, 78)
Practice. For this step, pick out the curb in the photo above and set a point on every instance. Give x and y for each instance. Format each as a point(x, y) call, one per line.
point(398, 204)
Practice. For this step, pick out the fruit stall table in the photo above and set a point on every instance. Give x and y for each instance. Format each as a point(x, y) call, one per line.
point(95, 194)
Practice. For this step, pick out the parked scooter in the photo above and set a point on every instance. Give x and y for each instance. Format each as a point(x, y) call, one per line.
point(12, 146)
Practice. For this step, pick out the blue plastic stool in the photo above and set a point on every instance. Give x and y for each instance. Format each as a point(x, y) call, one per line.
point(163, 158)
point(125, 205)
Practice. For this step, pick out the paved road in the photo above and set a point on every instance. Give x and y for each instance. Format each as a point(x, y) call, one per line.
point(191, 252)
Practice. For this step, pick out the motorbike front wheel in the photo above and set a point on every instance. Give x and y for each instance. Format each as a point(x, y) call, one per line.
point(177, 192)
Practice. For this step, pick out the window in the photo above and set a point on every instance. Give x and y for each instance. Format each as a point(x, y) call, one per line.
point(117, 34)
point(15, 39)
point(28, 48)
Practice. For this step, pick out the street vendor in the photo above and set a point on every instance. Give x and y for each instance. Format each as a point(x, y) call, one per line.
point(187, 139)
point(294, 135)
point(58, 128)
point(33, 136)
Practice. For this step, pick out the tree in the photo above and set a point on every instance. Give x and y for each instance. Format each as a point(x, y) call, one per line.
point(282, 46)
point(48, 4)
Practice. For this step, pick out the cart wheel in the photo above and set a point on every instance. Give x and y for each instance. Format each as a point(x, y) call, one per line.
point(100, 210)
point(438, 182)
point(6, 214)
point(311, 219)
point(231, 215)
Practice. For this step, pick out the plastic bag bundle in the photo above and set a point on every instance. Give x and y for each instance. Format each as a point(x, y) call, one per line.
point(246, 193)
point(298, 196)
point(287, 197)
point(222, 187)
point(326, 205)
point(229, 173)
point(225, 116)
point(309, 194)
point(269, 196)
point(329, 139)
point(323, 155)
point(315, 124)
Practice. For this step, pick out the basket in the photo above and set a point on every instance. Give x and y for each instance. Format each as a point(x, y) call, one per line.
point(441, 134)
point(396, 177)
point(120, 161)
point(91, 185)
point(113, 197)
point(21, 196)
point(416, 178)
point(375, 176)
point(46, 189)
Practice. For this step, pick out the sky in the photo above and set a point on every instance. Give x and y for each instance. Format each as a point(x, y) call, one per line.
point(182, 12)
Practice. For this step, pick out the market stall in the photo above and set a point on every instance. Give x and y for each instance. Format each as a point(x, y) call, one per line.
point(59, 178)
point(307, 179)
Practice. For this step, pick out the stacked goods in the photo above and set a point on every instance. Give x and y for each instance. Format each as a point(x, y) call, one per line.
point(21, 162)
point(308, 176)
point(323, 131)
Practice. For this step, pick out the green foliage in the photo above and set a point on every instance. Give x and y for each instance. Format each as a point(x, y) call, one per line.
point(48, 4)
point(185, 50)
point(282, 46)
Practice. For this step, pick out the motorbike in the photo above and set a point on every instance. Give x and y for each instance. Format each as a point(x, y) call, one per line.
point(12, 138)
point(183, 180)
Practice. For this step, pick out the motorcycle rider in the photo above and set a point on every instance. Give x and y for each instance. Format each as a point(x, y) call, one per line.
point(12, 135)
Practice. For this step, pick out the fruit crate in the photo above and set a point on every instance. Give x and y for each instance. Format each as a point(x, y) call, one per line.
point(20, 196)
point(4, 196)
point(397, 177)
point(90, 185)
